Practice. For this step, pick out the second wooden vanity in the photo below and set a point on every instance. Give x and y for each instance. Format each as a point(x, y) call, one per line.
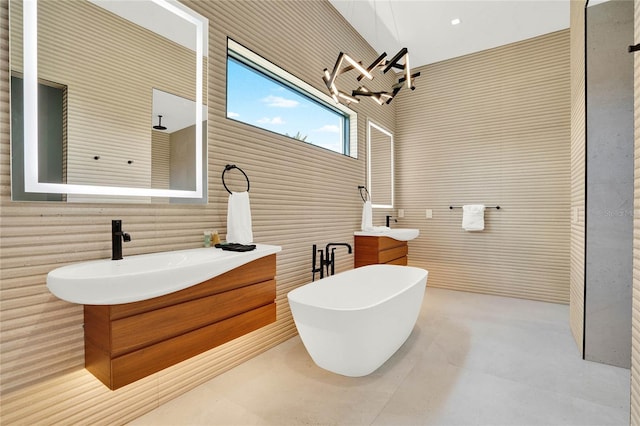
point(129, 341)
point(371, 250)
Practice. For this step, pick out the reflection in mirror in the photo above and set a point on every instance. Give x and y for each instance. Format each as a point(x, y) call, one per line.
point(380, 165)
point(109, 78)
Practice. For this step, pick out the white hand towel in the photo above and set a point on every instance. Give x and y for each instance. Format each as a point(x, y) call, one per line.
point(239, 219)
point(367, 216)
point(473, 217)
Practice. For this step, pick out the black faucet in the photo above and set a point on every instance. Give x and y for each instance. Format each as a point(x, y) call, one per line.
point(388, 218)
point(116, 239)
point(331, 261)
point(327, 259)
point(320, 268)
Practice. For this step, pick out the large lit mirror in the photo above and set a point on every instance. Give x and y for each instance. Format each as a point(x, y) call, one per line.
point(380, 165)
point(108, 100)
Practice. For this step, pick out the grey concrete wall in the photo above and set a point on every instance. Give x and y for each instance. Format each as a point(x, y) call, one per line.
point(609, 197)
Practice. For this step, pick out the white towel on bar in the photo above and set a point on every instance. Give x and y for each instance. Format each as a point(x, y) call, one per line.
point(473, 217)
point(367, 216)
point(239, 219)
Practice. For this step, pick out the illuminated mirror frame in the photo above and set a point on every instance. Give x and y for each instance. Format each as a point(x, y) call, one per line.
point(31, 182)
point(370, 125)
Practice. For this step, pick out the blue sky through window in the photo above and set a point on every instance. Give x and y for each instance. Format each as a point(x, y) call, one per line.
point(258, 100)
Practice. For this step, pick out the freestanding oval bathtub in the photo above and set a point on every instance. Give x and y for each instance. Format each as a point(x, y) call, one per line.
point(352, 322)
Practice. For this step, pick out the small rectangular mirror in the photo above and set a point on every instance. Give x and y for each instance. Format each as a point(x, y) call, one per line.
point(93, 77)
point(380, 165)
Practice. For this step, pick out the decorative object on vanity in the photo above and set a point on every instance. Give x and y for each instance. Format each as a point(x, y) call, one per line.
point(238, 211)
point(215, 238)
point(346, 63)
point(327, 259)
point(353, 322)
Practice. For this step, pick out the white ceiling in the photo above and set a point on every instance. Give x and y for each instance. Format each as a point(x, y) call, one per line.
point(424, 26)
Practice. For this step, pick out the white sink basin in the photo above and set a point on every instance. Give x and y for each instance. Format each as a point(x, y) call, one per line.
point(400, 234)
point(141, 277)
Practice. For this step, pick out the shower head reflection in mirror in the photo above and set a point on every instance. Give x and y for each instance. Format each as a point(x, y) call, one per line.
point(33, 182)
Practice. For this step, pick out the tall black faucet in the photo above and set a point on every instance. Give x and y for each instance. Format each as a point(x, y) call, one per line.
point(327, 261)
point(331, 260)
point(315, 268)
point(116, 239)
point(389, 218)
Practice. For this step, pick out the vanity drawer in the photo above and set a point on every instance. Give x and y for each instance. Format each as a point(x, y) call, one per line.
point(402, 261)
point(259, 270)
point(393, 253)
point(151, 327)
point(120, 371)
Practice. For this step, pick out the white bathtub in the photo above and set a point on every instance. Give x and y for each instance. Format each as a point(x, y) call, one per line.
point(352, 322)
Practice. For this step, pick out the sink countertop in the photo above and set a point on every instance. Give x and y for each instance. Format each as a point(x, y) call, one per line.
point(145, 276)
point(400, 234)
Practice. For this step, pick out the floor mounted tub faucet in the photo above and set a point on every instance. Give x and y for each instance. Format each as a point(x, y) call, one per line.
point(331, 259)
point(327, 259)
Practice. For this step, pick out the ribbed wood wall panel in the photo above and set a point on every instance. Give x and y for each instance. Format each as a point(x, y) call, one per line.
point(492, 128)
point(635, 321)
point(300, 195)
point(109, 107)
point(578, 164)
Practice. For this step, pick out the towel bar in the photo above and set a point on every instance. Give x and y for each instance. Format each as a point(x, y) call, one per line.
point(488, 207)
point(229, 167)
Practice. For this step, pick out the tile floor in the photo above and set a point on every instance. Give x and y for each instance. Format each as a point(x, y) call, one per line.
point(471, 360)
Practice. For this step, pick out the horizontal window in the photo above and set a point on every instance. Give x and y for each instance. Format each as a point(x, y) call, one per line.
point(262, 95)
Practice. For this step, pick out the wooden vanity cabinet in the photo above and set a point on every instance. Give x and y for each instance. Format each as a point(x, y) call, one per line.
point(126, 342)
point(375, 250)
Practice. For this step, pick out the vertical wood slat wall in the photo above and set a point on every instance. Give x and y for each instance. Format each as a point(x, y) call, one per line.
point(300, 195)
point(578, 163)
point(635, 321)
point(493, 128)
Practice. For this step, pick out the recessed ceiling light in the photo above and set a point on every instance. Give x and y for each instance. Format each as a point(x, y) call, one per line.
point(455, 21)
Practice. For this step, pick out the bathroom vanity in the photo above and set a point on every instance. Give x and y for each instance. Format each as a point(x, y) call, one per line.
point(128, 341)
point(384, 245)
point(370, 250)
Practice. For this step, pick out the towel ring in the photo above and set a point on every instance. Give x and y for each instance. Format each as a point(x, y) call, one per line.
point(233, 166)
point(360, 187)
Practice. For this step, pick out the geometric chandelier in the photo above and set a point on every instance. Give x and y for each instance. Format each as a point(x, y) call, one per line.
point(380, 97)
